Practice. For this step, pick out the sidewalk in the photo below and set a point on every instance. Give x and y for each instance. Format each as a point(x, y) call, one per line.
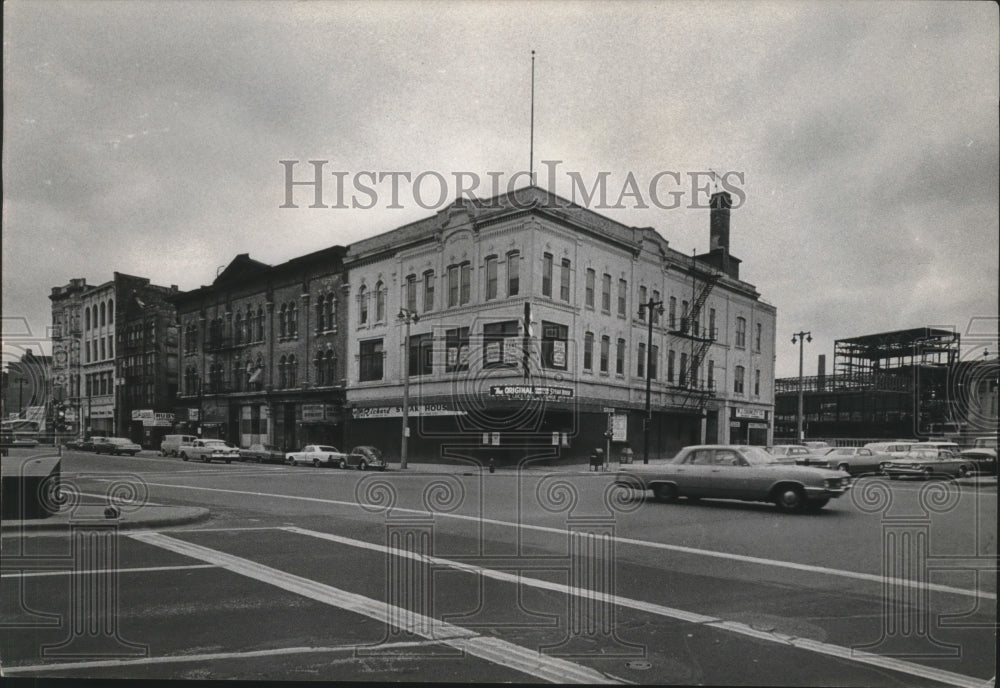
point(148, 516)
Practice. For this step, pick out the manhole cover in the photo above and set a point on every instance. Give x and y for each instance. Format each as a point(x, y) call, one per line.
point(639, 665)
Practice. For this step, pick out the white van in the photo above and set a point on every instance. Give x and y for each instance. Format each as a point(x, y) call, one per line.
point(171, 444)
point(940, 446)
point(892, 448)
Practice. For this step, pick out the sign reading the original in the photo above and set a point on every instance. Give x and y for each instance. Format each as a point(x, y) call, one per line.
point(756, 413)
point(530, 392)
point(397, 411)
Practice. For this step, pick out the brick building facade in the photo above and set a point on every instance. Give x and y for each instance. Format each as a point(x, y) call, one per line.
point(262, 355)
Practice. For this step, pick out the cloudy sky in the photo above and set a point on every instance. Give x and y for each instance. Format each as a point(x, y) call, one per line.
point(145, 137)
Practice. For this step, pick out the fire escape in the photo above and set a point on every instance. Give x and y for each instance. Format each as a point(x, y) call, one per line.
point(696, 393)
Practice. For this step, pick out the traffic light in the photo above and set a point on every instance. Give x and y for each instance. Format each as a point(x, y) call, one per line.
point(60, 417)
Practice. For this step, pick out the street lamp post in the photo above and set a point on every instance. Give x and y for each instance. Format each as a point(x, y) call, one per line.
point(653, 308)
point(406, 316)
point(800, 338)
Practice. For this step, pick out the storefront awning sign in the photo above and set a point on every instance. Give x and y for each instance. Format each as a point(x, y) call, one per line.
point(397, 411)
point(530, 392)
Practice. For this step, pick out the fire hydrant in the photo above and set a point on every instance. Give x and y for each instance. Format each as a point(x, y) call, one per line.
point(492, 467)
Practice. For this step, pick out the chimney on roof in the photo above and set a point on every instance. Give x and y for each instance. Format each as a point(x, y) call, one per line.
point(720, 203)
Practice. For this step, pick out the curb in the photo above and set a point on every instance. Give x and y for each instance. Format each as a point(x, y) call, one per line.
point(147, 517)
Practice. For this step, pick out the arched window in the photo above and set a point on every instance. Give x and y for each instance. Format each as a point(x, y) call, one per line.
point(282, 375)
point(320, 313)
point(379, 302)
point(362, 305)
point(293, 320)
point(292, 372)
point(111, 311)
point(283, 321)
point(331, 368)
point(238, 328)
point(103, 314)
point(331, 312)
point(320, 366)
point(260, 324)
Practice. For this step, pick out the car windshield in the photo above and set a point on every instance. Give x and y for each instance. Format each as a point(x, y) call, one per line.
point(215, 443)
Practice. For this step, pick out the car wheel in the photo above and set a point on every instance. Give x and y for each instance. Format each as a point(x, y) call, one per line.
point(289, 462)
point(184, 456)
point(363, 466)
point(665, 493)
point(316, 463)
point(342, 465)
point(843, 467)
point(928, 473)
point(789, 498)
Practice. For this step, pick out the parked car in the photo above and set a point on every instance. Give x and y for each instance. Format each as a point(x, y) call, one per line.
point(983, 460)
point(208, 450)
point(171, 444)
point(317, 455)
point(853, 460)
point(790, 451)
point(737, 472)
point(946, 446)
point(817, 444)
point(926, 464)
point(262, 453)
point(116, 446)
point(87, 444)
point(985, 443)
point(76, 443)
point(364, 458)
point(893, 448)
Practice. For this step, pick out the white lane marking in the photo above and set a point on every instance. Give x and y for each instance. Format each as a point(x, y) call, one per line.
point(854, 575)
point(494, 650)
point(210, 657)
point(818, 647)
point(71, 572)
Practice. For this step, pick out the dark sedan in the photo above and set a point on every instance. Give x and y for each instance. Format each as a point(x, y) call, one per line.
point(983, 460)
point(116, 446)
point(262, 453)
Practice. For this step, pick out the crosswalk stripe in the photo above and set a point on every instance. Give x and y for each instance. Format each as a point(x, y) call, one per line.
point(532, 662)
point(206, 657)
point(828, 649)
point(885, 581)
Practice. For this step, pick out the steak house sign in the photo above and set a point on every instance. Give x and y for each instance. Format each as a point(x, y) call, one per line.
point(397, 411)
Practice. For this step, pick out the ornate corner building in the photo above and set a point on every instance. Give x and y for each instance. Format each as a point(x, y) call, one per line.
point(511, 327)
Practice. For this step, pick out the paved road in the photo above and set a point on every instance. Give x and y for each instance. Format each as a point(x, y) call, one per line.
point(318, 574)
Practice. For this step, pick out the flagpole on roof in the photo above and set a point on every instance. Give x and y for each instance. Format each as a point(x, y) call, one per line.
point(531, 152)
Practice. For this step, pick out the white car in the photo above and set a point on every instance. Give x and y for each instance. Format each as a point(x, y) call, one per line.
point(317, 455)
point(207, 450)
